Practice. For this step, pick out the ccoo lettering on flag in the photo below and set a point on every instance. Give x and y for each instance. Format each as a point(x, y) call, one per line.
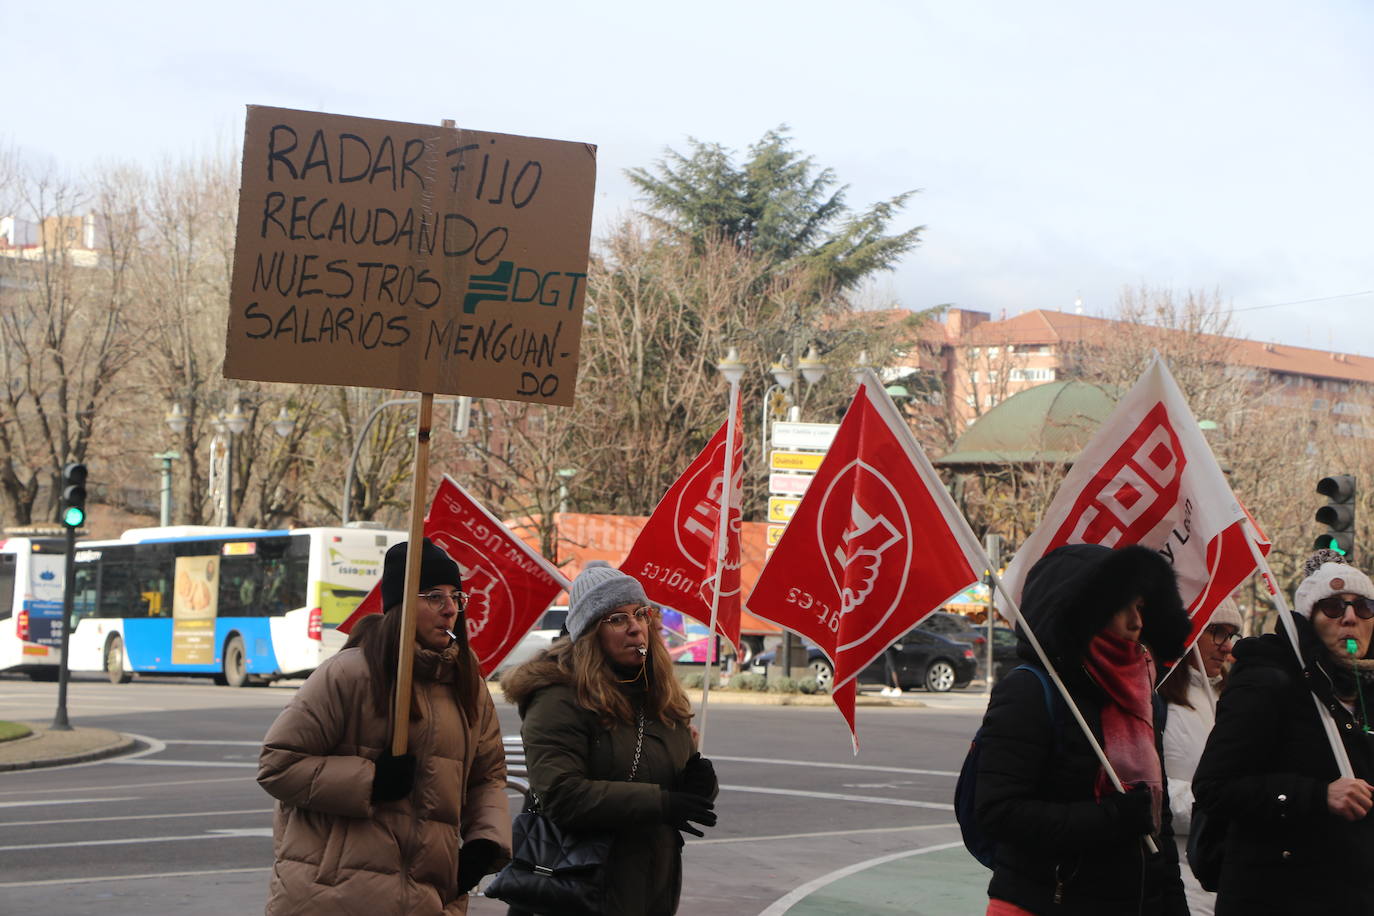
point(1149, 477)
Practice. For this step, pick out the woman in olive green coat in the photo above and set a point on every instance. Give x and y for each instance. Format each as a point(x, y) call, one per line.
point(608, 740)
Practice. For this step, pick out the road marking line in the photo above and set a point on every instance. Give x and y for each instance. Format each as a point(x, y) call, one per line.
point(251, 833)
point(836, 766)
point(818, 834)
point(54, 882)
point(212, 743)
point(182, 763)
point(796, 895)
point(63, 801)
point(136, 817)
point(841, 796)
point(125, 785)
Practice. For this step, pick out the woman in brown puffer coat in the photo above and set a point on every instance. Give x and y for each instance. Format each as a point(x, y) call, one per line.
point(609, 744)
point(358, 830)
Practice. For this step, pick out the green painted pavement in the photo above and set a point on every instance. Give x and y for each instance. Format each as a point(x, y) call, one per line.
point(945, 882)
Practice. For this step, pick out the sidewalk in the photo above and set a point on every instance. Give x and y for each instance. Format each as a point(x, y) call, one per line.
point(47, 748)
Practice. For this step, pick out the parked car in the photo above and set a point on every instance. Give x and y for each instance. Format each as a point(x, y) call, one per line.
point(536, 640)
point(955, 626)
point(925, 659)
point(1004, 657)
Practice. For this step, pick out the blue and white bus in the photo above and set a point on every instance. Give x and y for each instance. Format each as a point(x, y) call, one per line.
point(240, 605)
point(31, 606)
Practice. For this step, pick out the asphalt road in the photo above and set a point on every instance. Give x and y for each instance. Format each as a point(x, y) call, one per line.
point(806, 827)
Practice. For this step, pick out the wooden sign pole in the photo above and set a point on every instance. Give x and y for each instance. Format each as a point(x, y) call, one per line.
point(400, 718)
point(400, 726)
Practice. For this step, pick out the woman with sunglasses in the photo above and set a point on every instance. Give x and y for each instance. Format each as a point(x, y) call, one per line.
point(609, 743)
point(1190, 692)
point(1299, 839)
point(358, 829)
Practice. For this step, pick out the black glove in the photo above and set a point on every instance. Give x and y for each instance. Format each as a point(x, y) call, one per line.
point(1132, 811)
point(698, 776)
point(395, 777)
point(681, 807)
point(474, 861)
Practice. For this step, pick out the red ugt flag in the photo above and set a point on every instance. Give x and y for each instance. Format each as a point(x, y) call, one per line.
point(508, 585)
point(1148, 477)
point(674, 557)
point(875, 545)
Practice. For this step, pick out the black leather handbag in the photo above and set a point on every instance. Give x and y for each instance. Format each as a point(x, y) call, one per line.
point(557, 871)
point(552, 870)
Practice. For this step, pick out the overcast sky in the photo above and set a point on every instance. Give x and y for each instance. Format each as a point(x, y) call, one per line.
point(1063, 150)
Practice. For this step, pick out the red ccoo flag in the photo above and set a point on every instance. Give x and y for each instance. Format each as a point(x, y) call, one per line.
point(508, 585)
point(675, 555)
point(875, 545)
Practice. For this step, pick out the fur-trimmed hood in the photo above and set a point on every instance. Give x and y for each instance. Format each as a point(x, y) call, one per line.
point(1072, 592)
point(520, 684)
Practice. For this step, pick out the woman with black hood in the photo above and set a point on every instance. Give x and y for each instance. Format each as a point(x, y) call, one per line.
point(1066, 841)
point(1299, 837)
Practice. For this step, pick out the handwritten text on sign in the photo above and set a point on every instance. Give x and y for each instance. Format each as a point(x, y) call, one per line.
point(406, 256)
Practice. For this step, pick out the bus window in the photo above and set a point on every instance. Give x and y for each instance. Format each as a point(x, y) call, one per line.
point(238, 587)
point(117, 598)
point(8, 562)
point(152, 588)
point(83, 599)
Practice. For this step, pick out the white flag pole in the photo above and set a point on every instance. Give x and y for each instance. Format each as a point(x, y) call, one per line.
point(973, 548)
point(722, 543)
point(1286, 614)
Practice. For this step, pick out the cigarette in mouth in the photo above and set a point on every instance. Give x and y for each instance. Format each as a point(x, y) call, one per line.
point(641, 650)
point(451, 635)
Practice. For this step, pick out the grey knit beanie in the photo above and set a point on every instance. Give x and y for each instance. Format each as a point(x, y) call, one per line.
point(598, 590)
point(1227, 614)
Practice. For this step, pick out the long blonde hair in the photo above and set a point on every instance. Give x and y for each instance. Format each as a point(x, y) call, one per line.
point(583, 666)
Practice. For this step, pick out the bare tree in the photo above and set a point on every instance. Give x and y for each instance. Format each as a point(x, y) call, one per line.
point(64, 304)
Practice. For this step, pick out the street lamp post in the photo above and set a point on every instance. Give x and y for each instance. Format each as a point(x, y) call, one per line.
point(234, 423)
point(164, 515)
point(810, 369)
point(176, 420)
point(358, 446)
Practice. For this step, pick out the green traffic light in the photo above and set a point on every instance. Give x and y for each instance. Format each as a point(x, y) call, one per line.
point(1333, 544)
point(73, 516)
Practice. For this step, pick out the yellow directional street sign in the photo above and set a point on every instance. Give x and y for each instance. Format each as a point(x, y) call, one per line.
point(780, 508)
point(775, 534)
point(795, 461)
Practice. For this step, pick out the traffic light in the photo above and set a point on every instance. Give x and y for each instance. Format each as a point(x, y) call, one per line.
point(74, 495)
point(1338, 515)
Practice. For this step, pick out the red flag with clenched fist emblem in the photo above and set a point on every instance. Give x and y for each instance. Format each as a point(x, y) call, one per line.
point(875, 545)
point(508, 585)
point(678, 557)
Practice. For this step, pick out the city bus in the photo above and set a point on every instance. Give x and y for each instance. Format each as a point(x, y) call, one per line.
point(31, 570)
point(240, 605)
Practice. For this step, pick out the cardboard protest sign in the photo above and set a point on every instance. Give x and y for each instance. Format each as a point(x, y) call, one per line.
point(409, 256)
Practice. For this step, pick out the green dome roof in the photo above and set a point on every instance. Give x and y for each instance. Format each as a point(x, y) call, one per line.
point(1047, 423)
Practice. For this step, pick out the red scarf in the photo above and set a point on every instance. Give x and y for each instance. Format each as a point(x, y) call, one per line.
point(1124, 670)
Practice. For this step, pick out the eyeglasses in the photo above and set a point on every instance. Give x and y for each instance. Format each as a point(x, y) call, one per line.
point(1221, 636)
point(621, 620)
point(1334, 607)
point(436, 600)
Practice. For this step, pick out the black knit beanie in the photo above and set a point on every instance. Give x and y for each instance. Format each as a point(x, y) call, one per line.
point(436, 568)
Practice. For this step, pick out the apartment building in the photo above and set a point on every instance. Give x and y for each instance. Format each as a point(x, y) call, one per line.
point(985, 361)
